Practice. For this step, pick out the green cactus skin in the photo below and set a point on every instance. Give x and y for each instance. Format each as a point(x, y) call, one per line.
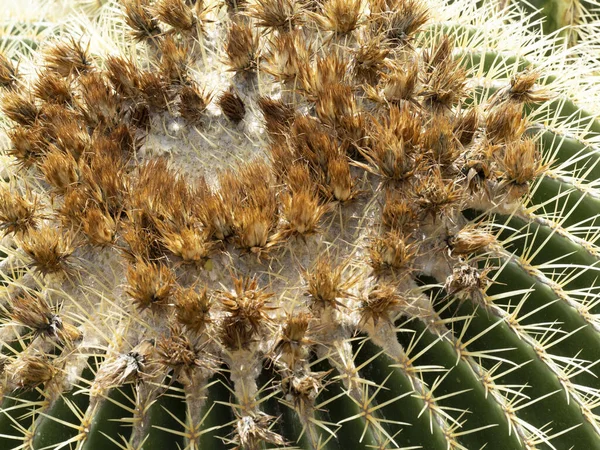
point(487, 338)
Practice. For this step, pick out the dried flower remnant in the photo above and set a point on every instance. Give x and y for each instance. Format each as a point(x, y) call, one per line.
point(193, 308)
point(150, 285)
point(49, 249)
point(18, 212)
point(241, 47)
point(232, 106)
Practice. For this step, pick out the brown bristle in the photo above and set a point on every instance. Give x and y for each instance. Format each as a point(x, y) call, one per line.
point(49, 248)
point(278, 116)
point(193, 103)
point(313, 142)
point(71, 136)
point(522, 89)
point(232, 106)
point(99, 227)
point(328, 71)
point(176, 352)
point(123, 75)
point(32, 311)
point(27, 145)
point(247, 307)
point(150, 285)
point(154, 89)
point(193, 308)
point(369, 57)
point(241, 47)
point(190, 243)
point(435, 195)
point(398, 212)
point(234, 336)
point(176, 14)
point(288, 57)
point(397, 84)
point(18, 212)
point(466, 126)
point(399, 20)
point(52, 88)
point(140, 20)
point(505, 123)
point(391, 252)
point(20, 107)
point(216, 207)
point(100, 104)
point(29, 371)
point(382, 304)
point(389, 153)
point(445, 79)
point(256, 214)
point(295, 341)
point(521, 164)
point(469, 240)
point(60, 169)
point(302, 207)
point(439, 141)
point(68, 58)
point(282, 15)
point(326, 284)
point(340, 16)
point(336, 103)
point(9, 73)
point(174, 60)
point(339, 180)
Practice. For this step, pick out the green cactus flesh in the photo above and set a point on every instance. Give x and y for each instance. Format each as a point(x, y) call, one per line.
point(333, 224)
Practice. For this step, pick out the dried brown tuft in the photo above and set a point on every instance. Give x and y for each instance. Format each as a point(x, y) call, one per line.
point(32, 311)
point(520, 164)
point(391, 252)
point(9, 74)
point(193, 308)
point(60, 169)
point(49, 248)
point(150, 285)
point(137, 15)
point(232, 106)
point(469, 240)
point(20, 108)
point(241, 47)
point(193, 103)
point(280, 15)
point(29, 371)
point(340, 16)
point(50, 87)
point(381, 304)
point(287, 57)
point(18, 212)
point(505, 123)
point(135, 365)
point(68, 58)
point(175, 13)
point(326, 284)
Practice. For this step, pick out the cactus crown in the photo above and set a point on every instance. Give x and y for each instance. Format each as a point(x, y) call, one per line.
point(258, 223)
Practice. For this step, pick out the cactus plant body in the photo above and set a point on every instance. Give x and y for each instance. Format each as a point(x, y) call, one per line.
point(312, 224)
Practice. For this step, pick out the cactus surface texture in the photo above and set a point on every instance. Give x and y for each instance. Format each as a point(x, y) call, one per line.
point(310, 224)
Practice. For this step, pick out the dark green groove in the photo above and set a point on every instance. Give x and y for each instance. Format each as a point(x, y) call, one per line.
point(482, 411)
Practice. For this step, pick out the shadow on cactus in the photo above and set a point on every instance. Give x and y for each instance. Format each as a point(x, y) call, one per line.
point(299, 224)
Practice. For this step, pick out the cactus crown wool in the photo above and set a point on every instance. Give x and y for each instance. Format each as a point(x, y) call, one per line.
point(307, 224)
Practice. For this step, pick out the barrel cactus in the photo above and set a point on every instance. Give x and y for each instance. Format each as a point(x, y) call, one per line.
point(310, 224)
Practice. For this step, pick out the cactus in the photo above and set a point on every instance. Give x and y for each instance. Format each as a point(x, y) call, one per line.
point(301, 224)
